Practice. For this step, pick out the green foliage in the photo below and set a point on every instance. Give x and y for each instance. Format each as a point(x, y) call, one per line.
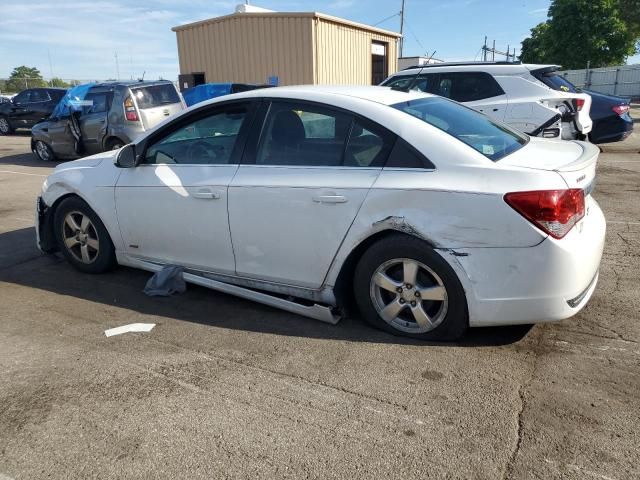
point(58, 82)
point(581, 31)
point(24, 77)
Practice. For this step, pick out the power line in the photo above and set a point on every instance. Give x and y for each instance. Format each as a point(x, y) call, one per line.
point(388, 18)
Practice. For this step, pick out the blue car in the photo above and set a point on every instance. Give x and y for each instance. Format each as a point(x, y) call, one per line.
point(207, 91)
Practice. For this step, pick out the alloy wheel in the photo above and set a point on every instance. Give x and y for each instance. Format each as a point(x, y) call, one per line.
point(80, 237)
point(4, 126)
point(408, 295)
point(43, 151)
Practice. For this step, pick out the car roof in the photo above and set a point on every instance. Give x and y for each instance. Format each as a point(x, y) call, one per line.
point(382, 95)
point(131, 83)
point(489, 67)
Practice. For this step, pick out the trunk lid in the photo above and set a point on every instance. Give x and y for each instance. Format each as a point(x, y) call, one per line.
point(574, 161)
point(156, 102)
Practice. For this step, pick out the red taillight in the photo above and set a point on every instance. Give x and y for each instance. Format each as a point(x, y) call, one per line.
point(579, 103)
point(130, 110)
point(553, 211)
point(620, 109)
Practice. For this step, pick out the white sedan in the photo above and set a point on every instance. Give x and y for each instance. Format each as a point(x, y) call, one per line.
point(431, 216)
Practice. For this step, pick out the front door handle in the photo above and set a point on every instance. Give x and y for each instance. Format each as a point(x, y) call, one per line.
point(330, 199)
point(206, 194)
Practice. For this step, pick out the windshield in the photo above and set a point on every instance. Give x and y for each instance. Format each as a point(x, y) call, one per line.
point(156, 95)
point(491, 139)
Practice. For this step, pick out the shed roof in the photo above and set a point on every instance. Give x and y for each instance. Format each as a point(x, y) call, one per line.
point(322, 16)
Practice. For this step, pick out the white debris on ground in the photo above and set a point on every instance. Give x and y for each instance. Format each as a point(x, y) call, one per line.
point(132, 327)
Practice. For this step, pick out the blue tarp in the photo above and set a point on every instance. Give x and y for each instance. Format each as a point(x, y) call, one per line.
point(72, 101)
point(206, 91)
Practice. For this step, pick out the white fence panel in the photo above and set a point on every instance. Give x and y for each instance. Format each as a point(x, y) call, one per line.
point(623, 81)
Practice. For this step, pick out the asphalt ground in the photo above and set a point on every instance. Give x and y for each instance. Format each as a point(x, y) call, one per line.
point(226, 388)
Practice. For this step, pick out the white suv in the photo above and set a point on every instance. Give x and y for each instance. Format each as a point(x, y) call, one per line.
point(514, 93)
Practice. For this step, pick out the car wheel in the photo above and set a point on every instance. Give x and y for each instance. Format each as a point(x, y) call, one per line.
point(5, 126)
point(403, 286)
point(115, 144)
point(44, 152)
point(82, 237)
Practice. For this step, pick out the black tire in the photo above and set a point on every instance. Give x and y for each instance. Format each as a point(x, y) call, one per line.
point(101, 259)
point(449, 314)
point(43, 151)
point(114, 144)
point(5, 126)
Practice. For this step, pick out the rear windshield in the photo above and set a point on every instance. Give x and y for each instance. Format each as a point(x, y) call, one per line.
point(155, 95)
point(491, 139)
point(556, 81)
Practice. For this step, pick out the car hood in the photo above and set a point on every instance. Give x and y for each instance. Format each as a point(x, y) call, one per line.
point(87, 162)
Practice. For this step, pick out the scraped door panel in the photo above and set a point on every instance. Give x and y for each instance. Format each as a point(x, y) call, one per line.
point(287, 223)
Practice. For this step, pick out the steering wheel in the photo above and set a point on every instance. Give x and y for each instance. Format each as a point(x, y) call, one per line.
point(199, 151)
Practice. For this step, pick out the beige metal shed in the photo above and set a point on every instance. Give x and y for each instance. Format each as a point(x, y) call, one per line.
point(294, 48)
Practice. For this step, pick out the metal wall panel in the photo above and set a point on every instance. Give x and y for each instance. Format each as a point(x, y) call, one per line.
point(623, 81)
point(249, 49)
point(298, 48)
point(344, 53)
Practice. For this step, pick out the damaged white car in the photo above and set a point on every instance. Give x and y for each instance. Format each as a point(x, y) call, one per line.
point(431, 216)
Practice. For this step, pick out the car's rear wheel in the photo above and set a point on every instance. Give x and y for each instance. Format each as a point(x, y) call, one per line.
point(5, 126)
point(43, 151)
point(406, 288)
point(115, 144)
point(82, 237)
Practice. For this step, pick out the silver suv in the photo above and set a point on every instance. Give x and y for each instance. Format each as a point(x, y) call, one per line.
point(111, 115)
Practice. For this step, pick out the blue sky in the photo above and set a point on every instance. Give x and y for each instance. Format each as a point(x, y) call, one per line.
point(82, 37)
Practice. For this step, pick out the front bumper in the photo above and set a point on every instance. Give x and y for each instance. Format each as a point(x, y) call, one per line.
point(551, 281)
point(44, 229)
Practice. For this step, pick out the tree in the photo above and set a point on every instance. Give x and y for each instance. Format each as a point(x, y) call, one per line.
point(58, 82)
point(24, 77)
point(581, 31)
point(535, 48)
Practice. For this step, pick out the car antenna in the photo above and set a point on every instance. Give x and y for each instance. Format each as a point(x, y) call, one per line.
point(415, 77)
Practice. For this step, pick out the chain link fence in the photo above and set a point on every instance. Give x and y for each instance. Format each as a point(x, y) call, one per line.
point(623, 81)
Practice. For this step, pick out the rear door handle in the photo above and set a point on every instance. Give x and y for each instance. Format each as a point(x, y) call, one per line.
point(330, 199)
point(206, 194)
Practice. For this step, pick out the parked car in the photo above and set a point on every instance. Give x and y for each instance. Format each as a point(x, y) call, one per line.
point(513, 93)
point(207, 91)
point(28, 108)
point(115, 114)
point(609, 113)
point(432, 216)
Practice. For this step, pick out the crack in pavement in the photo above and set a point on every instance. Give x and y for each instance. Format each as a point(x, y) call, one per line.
point(522, 391)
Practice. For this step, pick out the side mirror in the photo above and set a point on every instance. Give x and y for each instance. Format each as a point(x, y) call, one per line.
point(126, 157)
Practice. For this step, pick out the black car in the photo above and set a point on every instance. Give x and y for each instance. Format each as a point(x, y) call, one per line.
point(611, 119)
point(610, 114)
point(28, 108)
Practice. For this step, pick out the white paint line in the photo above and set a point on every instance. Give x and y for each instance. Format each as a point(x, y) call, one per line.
point(24, 173)
point(132, 327)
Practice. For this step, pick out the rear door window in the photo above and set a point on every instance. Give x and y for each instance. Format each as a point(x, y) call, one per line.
point(467, 86)
point(39, 95)
point(303, 134)
point(155, 95)
point(101, 101)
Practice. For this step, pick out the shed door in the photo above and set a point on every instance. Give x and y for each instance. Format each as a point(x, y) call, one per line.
point(379, 62)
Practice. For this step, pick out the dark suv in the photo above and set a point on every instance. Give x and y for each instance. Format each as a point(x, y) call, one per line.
point(28, 108)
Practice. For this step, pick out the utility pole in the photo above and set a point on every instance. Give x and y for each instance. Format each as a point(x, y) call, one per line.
point(50, 67)
point(401, 27)
point(484, 50)
point(493, 52)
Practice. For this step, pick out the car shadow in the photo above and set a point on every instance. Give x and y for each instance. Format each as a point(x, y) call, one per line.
point(123, 287)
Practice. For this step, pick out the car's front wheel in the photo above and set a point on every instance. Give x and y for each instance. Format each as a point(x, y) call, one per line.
point(82, 237)
point(5, 126)
point(43, 151)
point(403, 286)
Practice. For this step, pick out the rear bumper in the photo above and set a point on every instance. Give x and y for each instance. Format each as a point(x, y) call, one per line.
point(611, 129)
point(551, 281)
